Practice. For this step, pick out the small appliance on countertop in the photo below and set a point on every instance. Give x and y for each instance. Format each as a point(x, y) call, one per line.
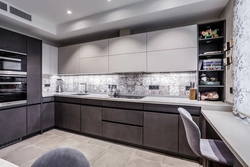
point(59, 87)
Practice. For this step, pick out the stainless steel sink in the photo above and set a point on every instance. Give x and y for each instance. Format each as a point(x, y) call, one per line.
point(80, 94)
point(129, 96)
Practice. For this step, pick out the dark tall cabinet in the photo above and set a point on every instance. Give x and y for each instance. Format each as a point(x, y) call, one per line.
point(34, 71)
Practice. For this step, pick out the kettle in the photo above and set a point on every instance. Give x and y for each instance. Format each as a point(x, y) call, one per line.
point(59, 87)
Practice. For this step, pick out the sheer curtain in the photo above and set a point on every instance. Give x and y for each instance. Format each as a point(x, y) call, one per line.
point(242, 58)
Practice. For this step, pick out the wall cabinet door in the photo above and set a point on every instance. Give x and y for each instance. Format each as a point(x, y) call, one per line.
point(12, 124)
point(172, 60)
point(68, 62)
point(46, 59)
point(12, 41)
point(34, 71)
point(127, 44)
point(175, 38)
point(94, 65)
point(128, 62)
point(53, 60)
point(184, 147)
point(94, 49)
point(71, 116)
point(161, 131)
point(48, 115)
point(59, 114)
point(91, 120)
point(33, 119)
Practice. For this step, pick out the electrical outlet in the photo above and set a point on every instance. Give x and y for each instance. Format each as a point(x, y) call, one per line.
point(47, 85)
point(188, 87)
point(154, 87)
point(231, 90)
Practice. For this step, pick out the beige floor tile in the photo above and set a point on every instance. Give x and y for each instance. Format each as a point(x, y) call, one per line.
point(141, 162)
point(10, 149)
point(178, 162)
point(71, 143)
point(126, 150)
point(91, 152)
point(157, 157)
point(24, 154)
point(37, 138)
point(111, 158)
point(29, 162)
point(63, 134)
point(81, 138)
point(100, 143)
point(50, 142)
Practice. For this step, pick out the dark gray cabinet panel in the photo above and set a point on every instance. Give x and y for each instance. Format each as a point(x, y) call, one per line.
point(59, 114)
point(34, 71)
point(196, 111)
point(71, 116)
point(123, 116)
point(12, 41)
point(33, 119)
point(126, 105)
point(161, 131)
point(68, 100)
point(48, 99)
point(12, 124)
point(183, 143)
point(48, 115)
point(161, 108)
point(91, 120)
point(91, 102)
point(125, 133)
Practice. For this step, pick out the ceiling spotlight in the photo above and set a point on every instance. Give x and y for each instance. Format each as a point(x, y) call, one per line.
point(109, 0)
point(69, 12)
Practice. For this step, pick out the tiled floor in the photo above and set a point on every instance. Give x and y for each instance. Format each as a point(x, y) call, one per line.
point(99, 153)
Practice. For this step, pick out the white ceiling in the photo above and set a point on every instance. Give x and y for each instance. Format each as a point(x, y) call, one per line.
point(55, 11)
point(51, 22)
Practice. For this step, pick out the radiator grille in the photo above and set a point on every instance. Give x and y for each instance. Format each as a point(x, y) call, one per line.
point(3, 6)
point(20, 13)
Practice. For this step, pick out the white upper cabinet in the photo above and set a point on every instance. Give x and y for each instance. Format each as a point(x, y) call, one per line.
point(46, 59)
point(172, 60)
point(94, 49)
point(50, 59)
point(127, 44)
point(68, 61)
point(94, 65)
point(53, 60)
point(175, 38)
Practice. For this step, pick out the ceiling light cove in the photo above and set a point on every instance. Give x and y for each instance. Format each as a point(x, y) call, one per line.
point(109, 0)
point(69, 12)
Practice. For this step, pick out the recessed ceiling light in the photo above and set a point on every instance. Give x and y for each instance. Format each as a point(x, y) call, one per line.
point(69, 12)
point(109, 0)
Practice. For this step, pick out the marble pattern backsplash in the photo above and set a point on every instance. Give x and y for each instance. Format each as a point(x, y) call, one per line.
point(170, 84)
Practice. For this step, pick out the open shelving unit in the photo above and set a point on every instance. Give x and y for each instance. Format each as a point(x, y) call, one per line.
point(210, 45)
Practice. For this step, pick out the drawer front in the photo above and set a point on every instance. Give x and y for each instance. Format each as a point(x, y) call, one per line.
point(192, 110)
point(91, 102)
point(125, 133)
point(48, 99)
point(125, 105)
point(68, 100)
point(123, 116)
point(161, 108)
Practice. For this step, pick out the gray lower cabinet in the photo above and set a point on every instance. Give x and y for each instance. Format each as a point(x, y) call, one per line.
point(12, 124)
point(71, 116)
point(59, 114)
point(124, 133)
point(161, 131)
point(33, 119)
point(48, 115)
point(91, 120)
point(184, 147)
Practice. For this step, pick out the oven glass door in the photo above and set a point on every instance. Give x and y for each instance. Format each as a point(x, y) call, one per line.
point(13, 62)
point(13, 88)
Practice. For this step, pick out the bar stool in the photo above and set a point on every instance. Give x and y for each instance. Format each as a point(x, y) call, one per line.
point(213, 150)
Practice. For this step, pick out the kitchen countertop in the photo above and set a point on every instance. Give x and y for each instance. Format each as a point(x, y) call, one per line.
point(206, 105)
point(233, 131)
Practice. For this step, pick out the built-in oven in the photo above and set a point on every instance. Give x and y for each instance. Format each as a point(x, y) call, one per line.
point(13, 78)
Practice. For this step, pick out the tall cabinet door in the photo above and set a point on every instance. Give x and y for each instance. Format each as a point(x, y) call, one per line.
point(53, 60)
point(46, 59)
point(33, 119)
point(48, 115)
point(34, 71)
point(161, 131)
point(12, 124)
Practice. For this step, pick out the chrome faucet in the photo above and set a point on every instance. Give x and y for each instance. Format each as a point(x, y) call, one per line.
point(85, 88)
point(113, 92)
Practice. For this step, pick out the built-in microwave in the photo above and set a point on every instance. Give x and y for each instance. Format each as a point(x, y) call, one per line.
point(13, 62)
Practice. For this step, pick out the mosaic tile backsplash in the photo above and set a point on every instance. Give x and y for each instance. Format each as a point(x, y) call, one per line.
point(170, 84)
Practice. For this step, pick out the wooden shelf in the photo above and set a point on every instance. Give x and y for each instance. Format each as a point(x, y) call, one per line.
point(211, 86)
point(211, 55)
point(211, 40)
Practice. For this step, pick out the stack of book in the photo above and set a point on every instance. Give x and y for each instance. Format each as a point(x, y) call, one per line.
point(212, 64)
